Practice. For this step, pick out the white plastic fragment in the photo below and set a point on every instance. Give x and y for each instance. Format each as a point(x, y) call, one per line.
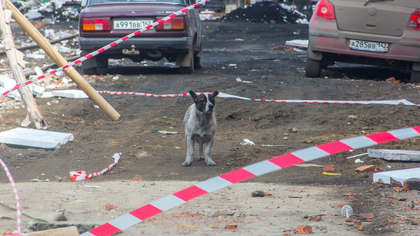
point(247, 142)
point(165, 132)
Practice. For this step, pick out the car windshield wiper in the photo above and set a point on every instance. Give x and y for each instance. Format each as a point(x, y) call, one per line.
point(368, 1)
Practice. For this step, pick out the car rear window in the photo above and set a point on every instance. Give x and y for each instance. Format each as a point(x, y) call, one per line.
point(99, 2)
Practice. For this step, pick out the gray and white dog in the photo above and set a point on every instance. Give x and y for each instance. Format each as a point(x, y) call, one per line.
point(200, 126)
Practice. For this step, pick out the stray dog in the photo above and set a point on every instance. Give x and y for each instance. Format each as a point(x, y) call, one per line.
point(200, 126)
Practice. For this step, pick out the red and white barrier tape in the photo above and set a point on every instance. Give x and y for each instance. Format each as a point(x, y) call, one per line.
point(18, 207)
point(81, 175)
point(92, 54)
point(225, 95)
point(257, 169)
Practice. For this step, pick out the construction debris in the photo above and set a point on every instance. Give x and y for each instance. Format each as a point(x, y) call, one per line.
point(395, 155)
point(397, 175)
point(35, 138)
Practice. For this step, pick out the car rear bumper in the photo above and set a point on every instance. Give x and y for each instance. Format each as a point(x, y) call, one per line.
point(324, 36)
point(169, 44)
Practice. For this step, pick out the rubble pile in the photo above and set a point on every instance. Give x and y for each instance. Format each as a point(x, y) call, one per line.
point(267, 12)
point(49, 11)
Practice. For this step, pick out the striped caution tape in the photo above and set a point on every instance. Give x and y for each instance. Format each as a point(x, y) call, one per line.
point(257, 169)
point(18, 207)
point(225, 95)
point(81, 175)
point(101, 50)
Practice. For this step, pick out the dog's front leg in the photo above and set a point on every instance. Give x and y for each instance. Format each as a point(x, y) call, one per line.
point(200, 151)
point(190, 152)
point(209, 161)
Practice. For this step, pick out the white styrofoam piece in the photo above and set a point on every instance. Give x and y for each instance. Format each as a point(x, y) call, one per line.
point(70, 93)
point(298, 43)
point(37, 90)
point(35, 138)
point(47, 95)
point(397, 175)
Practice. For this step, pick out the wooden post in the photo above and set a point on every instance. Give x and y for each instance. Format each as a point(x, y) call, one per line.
point(17, 63)
point(60, 61)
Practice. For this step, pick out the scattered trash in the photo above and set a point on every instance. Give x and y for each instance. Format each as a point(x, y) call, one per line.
point(247, 142)
point(325, 173)
point(231, 226)
point(367, 168)
point(260, 194)
point(358, 161)
point(243, 81)
point(328, 168)
point(137, 179)
point(397, 175)
point(232, 65)
point(315, 218)
point(271, 145)
point(91, 186)
point(109, 207)
point(115, 78)
point(293, 130)
point(304, 229)
point(35, 56)
point(346, 211)
point(165, 132)
point(394, 155)
point(393, 80)
point(358, 155)
point(301, 43)
point(186, 226)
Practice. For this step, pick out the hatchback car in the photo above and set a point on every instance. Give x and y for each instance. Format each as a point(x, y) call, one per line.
point(375, 32)
point(103, 21)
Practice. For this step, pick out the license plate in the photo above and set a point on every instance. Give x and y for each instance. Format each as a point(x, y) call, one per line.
point(368, 46)
point(131, 24)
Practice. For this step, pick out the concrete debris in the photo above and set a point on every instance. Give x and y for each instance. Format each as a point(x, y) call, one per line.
point(35, 138)
point(411, 184)
point(397, 175)
point(395, 155)
point(70, 93)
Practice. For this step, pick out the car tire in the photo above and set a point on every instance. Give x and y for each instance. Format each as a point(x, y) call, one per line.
point(197, 60)
point(313, 68)
point(414, 77)
point(188, 69)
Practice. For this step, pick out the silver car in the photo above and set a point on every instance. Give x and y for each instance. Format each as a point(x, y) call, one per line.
point(374, 32)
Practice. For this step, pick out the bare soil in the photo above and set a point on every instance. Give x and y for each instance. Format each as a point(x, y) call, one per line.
point(252, 52)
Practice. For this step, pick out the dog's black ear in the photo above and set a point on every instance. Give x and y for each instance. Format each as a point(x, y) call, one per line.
point(193, 95)
point(215, 93)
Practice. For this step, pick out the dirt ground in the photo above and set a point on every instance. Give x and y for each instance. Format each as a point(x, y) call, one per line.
point(252, 52)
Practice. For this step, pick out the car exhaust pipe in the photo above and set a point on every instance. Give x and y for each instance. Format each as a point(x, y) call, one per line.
point(393, 63)
point(155, 54)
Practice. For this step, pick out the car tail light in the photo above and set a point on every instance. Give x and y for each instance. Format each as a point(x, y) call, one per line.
point(176, 23)
point(97, 24)
point(414, 20)
point(325, 9)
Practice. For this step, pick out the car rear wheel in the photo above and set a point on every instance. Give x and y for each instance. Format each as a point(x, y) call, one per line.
point(313, 68)
point(414, 77)
point(197, 60)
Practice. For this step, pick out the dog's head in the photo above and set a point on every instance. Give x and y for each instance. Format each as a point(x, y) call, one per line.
point(204, 102)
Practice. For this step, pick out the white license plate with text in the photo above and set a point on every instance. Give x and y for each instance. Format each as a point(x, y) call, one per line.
point(368, 46)
point(131, 24)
